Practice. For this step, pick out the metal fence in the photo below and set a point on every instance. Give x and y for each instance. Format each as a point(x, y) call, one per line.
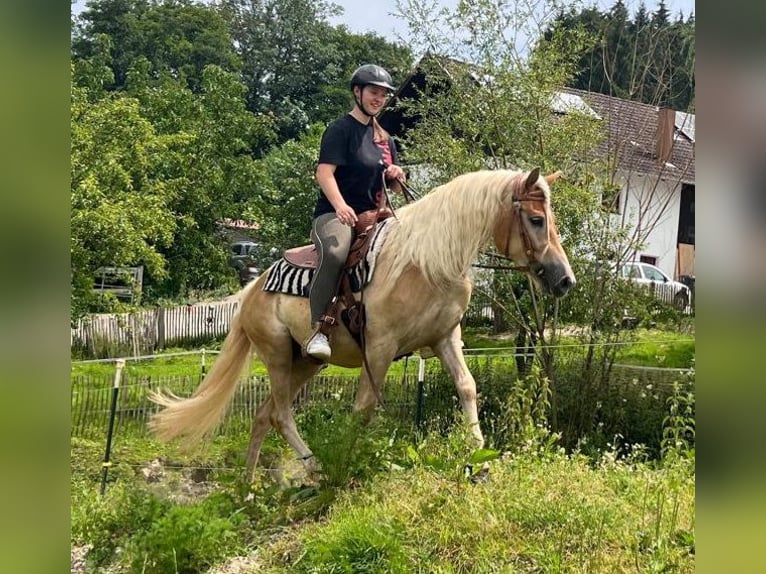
point(91, 395)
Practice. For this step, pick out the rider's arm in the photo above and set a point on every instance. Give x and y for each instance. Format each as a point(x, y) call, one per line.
point(325, 176)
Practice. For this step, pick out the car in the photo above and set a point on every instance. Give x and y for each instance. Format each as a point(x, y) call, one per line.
point(244, 258)
point(665, 288)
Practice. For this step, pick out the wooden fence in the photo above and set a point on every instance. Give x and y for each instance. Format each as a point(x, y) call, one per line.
point(143, 332)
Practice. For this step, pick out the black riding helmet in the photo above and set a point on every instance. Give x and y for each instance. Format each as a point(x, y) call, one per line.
point(371, 74)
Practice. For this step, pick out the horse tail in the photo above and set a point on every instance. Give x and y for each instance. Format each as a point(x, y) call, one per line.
point(197, 417)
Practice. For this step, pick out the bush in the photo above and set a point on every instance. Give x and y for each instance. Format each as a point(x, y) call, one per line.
point(362, 541)
point(188, 539)
point(108, 522)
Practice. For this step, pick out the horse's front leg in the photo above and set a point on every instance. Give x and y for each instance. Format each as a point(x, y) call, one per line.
point(450, 353)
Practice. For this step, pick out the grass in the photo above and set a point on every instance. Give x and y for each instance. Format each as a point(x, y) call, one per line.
point(653, 348)
point(554, 513)
point(541, 510)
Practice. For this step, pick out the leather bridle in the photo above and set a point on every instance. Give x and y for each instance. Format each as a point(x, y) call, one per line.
point(517, 200)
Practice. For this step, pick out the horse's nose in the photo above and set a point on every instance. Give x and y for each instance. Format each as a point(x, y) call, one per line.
point(564, 285)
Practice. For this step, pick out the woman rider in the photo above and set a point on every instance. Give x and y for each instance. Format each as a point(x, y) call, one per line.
point(353, 156)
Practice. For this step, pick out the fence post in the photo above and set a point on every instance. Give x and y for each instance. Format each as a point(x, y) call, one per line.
point(160, 328)
point(421, 393)
point(203, 361)
point(112, 412)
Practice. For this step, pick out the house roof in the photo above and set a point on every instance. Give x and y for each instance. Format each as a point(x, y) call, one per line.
point(632, 127)
point(632, 137)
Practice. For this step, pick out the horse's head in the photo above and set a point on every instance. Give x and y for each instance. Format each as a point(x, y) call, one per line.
point(526, 233)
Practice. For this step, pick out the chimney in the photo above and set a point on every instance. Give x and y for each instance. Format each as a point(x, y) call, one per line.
point(666, 126)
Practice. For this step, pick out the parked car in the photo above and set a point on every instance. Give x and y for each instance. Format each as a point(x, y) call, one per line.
point(664, 288)
point(250, 259)
point(244, 258)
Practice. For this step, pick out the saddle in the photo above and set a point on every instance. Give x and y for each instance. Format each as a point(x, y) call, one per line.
point(306, 257)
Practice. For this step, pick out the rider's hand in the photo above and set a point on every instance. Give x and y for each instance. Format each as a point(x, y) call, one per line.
point(346, 215)
point(395, 172)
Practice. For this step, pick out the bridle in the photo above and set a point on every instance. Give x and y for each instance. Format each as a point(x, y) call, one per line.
point(517, 200)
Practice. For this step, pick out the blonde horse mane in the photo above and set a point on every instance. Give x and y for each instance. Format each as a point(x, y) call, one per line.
point(441, 233)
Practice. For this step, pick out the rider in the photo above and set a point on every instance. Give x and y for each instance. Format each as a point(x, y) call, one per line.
point(353, 156)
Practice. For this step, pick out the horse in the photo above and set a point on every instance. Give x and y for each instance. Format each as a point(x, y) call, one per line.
point(414, 301)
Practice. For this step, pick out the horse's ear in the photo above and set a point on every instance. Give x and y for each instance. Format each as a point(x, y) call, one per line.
point(532, 178)
point(553, 177)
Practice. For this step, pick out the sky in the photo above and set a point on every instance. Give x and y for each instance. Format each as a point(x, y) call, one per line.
point(361, 16)
point(377, 16)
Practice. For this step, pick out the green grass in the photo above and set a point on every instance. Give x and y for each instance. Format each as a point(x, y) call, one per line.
point(541, 510)
point(659, 349)
point(537, 513)
point(653, 347)
point(189, 365)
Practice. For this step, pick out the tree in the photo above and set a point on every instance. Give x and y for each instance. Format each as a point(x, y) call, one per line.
point(287, 191)
point(176, 37)
point(211, 168)
point(120, 208)
point(296, 65)
point(646, 59)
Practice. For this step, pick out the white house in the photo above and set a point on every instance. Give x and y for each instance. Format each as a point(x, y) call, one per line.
point(651, 150)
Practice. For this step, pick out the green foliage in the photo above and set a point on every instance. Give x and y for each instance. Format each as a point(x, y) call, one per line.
point(296, 65)
point(109, 522)
point(120, 206)
point(679, 428)
point(523, 421)
point(347, 447)
point(287, 191)
point(645, 58)
point(364, 542)
point(558, 513)
point(177, 37)
point(188, 539)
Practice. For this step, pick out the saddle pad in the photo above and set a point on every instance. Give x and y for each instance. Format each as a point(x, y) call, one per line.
point(284, 277)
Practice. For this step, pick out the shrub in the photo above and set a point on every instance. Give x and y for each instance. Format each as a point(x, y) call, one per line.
point(361, 541)
point(188, 539)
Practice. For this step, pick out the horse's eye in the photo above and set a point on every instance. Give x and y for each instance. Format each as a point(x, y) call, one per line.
point(537, 221)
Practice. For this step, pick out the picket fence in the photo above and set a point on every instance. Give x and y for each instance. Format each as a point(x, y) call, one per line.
point(119, 334)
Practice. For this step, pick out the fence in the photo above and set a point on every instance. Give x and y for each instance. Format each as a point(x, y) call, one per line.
point(142, 332)
point(90, 395)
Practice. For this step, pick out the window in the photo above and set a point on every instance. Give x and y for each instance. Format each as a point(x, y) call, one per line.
point(631, 271)
point(654, 274)
point(650, 259)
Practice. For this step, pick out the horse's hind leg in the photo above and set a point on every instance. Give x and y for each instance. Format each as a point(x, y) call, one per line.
point(300, 371)
point(450, 353)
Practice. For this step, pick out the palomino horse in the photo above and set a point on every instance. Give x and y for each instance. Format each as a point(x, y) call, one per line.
point(415, 300)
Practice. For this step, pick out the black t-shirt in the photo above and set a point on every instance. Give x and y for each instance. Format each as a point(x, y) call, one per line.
point(349, 145)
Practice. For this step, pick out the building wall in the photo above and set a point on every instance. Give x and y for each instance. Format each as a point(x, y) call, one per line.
point(648, 199)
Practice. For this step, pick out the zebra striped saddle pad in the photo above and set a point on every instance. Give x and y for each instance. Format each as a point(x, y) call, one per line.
point(284, 277)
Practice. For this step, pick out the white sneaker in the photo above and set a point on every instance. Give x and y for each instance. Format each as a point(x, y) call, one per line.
point(319, 347)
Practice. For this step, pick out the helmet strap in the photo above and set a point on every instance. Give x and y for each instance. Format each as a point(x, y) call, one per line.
point(359, 103)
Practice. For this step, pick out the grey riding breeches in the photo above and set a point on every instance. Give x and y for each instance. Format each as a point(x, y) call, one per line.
point(333, 242)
